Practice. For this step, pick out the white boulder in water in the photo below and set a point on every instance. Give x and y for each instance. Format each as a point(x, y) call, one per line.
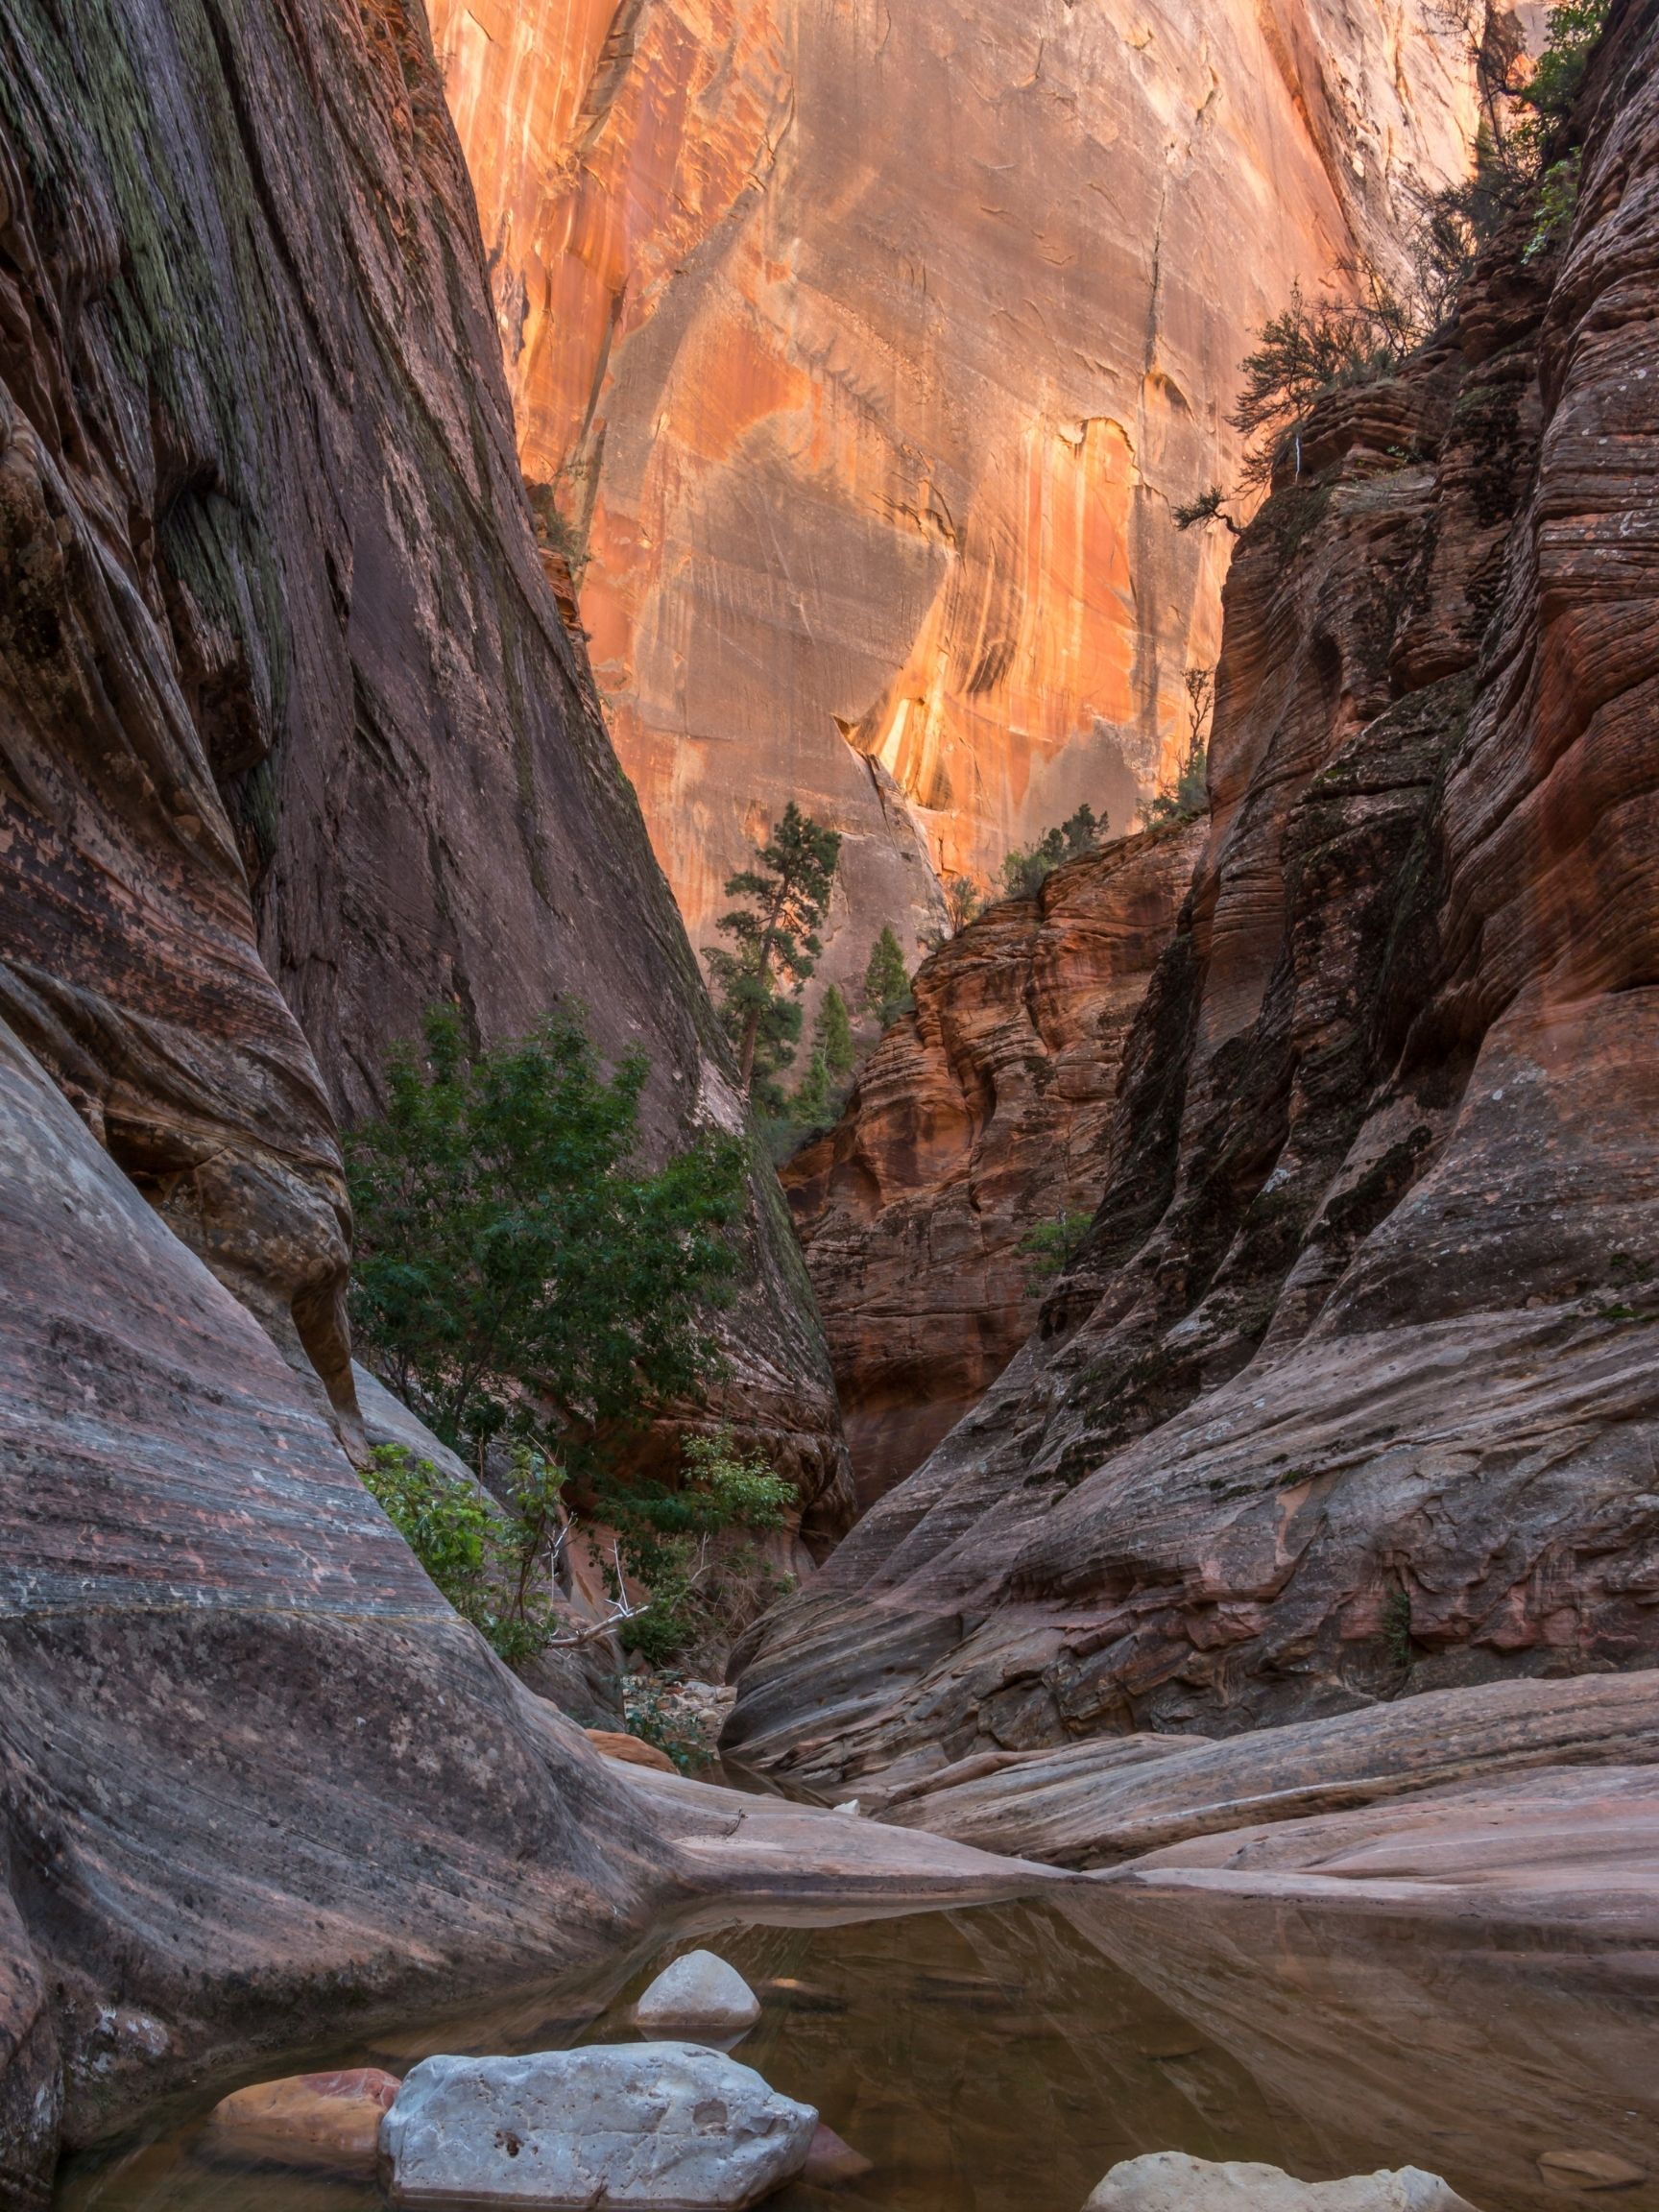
point(1169, 2181)
point(698, 1991)
point(664, 2124)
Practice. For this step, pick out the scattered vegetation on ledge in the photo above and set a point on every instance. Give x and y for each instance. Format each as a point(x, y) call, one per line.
point(1365, 325)
point(1190, 797)
point(1027, 868)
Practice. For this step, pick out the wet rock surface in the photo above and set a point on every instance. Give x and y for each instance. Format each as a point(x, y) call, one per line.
point(699, 1990)
point(980, 1114)
point(665, 2123)
point(1170, 2182)
point(1352, 1393)
point(331, 2121)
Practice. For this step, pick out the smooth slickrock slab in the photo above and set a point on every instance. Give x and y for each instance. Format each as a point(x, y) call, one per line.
point(1111, 1797)
point(698, 1991)
point(669, 2126)
point(1170, 2182)
point(325, 2120)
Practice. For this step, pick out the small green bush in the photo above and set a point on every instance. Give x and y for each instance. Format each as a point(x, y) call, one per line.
point(1026, 869)
point(1051, 1246)
point(482, 1559)
point(670, 1541)
point(516, 1269)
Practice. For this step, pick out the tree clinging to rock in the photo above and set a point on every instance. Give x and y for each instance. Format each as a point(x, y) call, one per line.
point(777, 947)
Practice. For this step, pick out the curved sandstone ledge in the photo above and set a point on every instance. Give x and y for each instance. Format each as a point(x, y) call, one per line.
point(1110, 1798)
point(1561, 1847)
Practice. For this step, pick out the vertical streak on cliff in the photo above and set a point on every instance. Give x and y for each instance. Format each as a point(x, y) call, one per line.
point(953, 269)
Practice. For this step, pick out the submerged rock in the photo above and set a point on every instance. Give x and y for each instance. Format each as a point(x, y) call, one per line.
point(1589, 2170)
point(1169, 2181)
point(698, 1991)
point(831, 2163)
point(325, 2120)
point(668, 2124)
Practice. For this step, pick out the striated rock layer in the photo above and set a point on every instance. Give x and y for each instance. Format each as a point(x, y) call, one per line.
point(1353, 1392)
point(865, 352)
point(980, 1114)
point(294, 738)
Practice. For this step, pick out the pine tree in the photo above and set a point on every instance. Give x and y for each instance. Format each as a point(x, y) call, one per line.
point(886, 986)
point(814, 1105)
point(777, 947)
point(832, 1036)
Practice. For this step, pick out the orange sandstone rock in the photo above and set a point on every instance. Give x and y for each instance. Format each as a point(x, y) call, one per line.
point(630, 1751)
point(867, 352)
point(326, 2120)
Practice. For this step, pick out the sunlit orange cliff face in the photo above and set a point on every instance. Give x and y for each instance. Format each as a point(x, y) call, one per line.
point(866, 348)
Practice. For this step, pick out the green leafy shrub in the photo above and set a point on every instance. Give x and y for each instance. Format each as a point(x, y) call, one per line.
point(669, 1541)
point(481, 1557)
point(1051, 1246)
point(516, 1270)
point(1575, 27)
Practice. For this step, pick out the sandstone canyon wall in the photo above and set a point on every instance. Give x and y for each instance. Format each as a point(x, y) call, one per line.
point(980, 1114)
point(1352, 1393)
point(866, 352)
point(291, 740)
point(295, 739)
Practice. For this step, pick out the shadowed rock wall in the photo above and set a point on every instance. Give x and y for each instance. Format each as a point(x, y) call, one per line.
point(866, 352)
point(979, 1116)
point(293, 739)
point(1354, 1391)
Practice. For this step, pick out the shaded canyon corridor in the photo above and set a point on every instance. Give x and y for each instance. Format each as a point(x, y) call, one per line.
point(457, 481)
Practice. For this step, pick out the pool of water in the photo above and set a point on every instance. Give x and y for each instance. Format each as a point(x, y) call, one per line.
point(1002, 2060)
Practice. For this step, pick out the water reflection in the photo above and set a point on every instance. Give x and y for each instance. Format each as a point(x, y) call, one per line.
point(1000, 2060)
